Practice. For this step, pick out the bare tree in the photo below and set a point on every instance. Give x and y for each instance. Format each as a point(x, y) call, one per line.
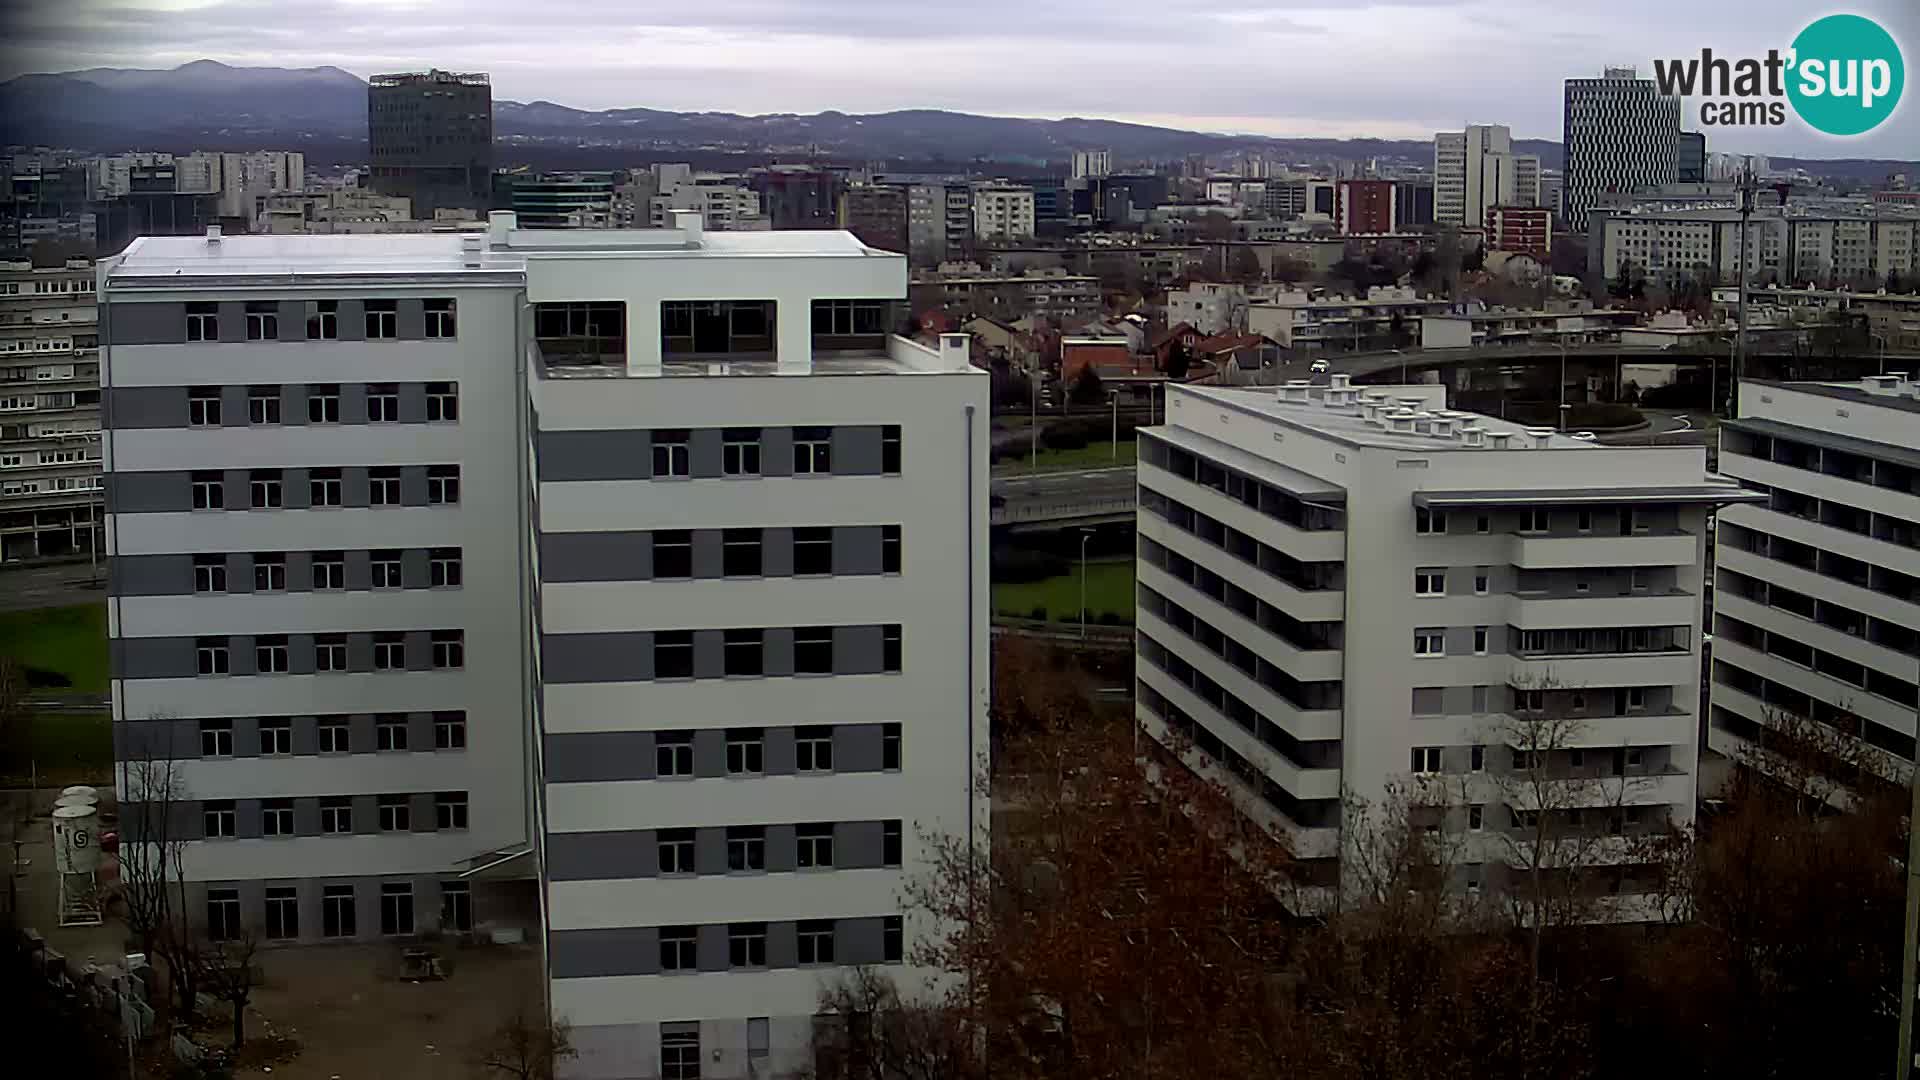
point(229, 972)
point(863, 1030)
point(525, 1045)
point(151, 870)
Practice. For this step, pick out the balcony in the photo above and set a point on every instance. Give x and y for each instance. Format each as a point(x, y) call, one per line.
point(1306, 545)
point(1540, 612)
point(1530, 552)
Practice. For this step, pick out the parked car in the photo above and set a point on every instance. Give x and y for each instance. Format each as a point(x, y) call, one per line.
point(1318, 367)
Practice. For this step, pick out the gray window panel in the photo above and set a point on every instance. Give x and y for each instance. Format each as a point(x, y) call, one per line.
point(156, 738)
point(709, 752)
point(411, 320)
point(590, 658)
point(150, 575)
point(779, 650)
point(358, 572)
point(1497, 638)
point(783, 945)
point(777, 752)
point(856, 549)
point(149, 492)
point(146, 406)
point(858, 650)
point(238, 494)
point(361, 727)
point(1429, 700)
point(858, 941)
point(306, 817)
point(246, 736)
point(414, 573)
point(355, 489)
point(596, 556)
point(601, 856)
point(353, 396)
point(353, 327)
point(710, 851)
point(299, 571)
point(594, 455)
point(776, 552)
point(709, 654)
point(154, 658)
point(856, 450)
point(420, 731)
point(306, 734)
point(233, 320)
point(711, 947)
point(293, 320)
point(776, 451)
point(293, 396)
point(366, 819)
point(295, 494)
point(783, 848)
point(413, 485)
point(856, 747)
point(420, 651)
point(246, 813)
point(413, 395)
point(591, 756)
point(240, 658)
point(421, 806)
point(186, 820)
point(1457, 700)
point(233, 399)
point(858, 845)
point(707, 553)
point(587, 954)
point(299, 654)
point(703, 452)
point(123, 323)
point(360, 656)
point(239, 572)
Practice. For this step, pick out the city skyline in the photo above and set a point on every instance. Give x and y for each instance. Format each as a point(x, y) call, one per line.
point(748, 56)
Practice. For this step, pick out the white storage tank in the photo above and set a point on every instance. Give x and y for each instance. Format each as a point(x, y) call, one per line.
point(76, 839)
point(79, 789)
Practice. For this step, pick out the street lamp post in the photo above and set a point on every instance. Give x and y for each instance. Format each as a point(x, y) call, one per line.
point(1114, 395)
point(1882, 339)
point(1562, 338)
point(1085, 535)
point(1033, 423)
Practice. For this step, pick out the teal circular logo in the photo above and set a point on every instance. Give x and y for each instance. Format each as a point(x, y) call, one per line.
point(1847, 75)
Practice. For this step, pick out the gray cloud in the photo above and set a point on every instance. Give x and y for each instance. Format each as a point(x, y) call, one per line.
point(1308, 67)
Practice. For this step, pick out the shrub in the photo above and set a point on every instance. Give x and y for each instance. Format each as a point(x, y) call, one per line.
point(1675, 396)
point(1038, 614)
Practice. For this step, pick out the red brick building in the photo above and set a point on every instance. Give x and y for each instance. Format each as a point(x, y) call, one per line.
point(1527, 229)
point(1364, 206)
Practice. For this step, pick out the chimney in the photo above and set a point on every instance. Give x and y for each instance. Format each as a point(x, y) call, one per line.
point(691, 224)
point(213, 234)
point(470, 247)
point(499, 224)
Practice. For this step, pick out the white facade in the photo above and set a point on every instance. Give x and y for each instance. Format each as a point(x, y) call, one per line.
point(1817, 596)
point(1092, 163)
point(49, 411)
point(1339, 592)
point(1002, 212)
point(724, 201)
point(1476, 169)
point(1856, 249)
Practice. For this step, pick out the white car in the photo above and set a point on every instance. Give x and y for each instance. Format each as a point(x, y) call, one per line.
point(1317, 367)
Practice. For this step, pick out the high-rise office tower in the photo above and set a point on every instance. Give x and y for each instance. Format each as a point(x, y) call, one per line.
point(1092, 163)
point(430, 138)
point(1476, 169)
point(624, 589)
point(1621, 134)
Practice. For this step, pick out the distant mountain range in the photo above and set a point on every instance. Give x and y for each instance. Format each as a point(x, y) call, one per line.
point(323, 111)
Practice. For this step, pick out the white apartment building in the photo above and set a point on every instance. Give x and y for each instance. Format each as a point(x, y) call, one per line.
point(1308, 319)
point(1817, 591)
point(1342, 588)
point(625, 588)
point(1002, 212)
point(725, 202)
point(1822, 248)
point(1476, 169)
point(1092, 163)
point(50, 501)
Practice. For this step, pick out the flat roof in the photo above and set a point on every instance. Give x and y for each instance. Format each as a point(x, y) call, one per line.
point(1905, 402)
point(1349, 427)
point(1899, 455)
point(1293, 481)
point(1715, 493)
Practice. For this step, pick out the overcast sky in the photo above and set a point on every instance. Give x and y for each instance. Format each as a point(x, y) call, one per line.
point(1282, 67)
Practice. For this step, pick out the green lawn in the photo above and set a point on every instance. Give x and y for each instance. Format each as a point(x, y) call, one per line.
point(1098, 455)
point(71, 641)
point(61, 748)
point(1109, 590)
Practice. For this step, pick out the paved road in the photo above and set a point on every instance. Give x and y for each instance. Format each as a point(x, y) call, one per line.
point(26, 588)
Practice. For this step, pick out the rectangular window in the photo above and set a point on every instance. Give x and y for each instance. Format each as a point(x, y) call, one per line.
point(203, 406)
point(673, 754)
point(745, 751)
point(396, 906)
point(1479, 756)
point(890, 843)
point(443, 568)
point(889, 549)
point(673, 654)
point(383, 403)
point(744, 652)
point(746, 848)
point(1583, 521)
point(890, 449)
point(813, 551)
point(1426, 759)
point(383, 486)
point(813, 650)
point(449, 731)
point(893, 939)
point(890, 746)
point(325, 488)
point(1482, 580)
point(450, 810)
point(223, 914)
point(209, 573)
point(209, 493)
point(740, 452)
point(740, 552)
point(747, 945)
point(1476, 817)
point(336, 911)
point(890, 648)
point(679, 951)
point(334, 735)
point(816, 845)
point(329, 570)
point(813, 749)
point(1530, 700)
point(812, 450)
point(1429, 583)
point(269, 572)
point(680, 1051)
point(276, 735)
point(276, 817)
point(449, 649)
point(263, 405)
point(443, 403)
point(1479, 641)
point(673, 553)
point(263, 320)
point(675, 851)
point(456, 907)
point(210, 655)
point(390, 732)
point(670, 453)
point(1429, 642)
point(323, 404)
point(336, 816)
point(203, 322)
point(1636, 698)
point(396, 813)
point(383, 319)
point(1429, 522)
point(816, 941)
point(323, 320)
point(1483, 524)
point(1480, 699)
point(1535, 521)
point(217, 818)
point(216, 738)
point(283, 913)
point(440, 322)
point(385, 569)
point(263, 489)
point(443, 484)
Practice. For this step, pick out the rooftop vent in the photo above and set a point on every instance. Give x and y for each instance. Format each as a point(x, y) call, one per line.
point(1370, 412)
point(1473, 436)
point(1540, 436)
point(213, 234)
point(1500, 439)
point(1443, 427)
point(1295, 391)
point(471, 245)
point(1413, 404)
point(1400, 420)
point(1339, 380)
point(1876, 384)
